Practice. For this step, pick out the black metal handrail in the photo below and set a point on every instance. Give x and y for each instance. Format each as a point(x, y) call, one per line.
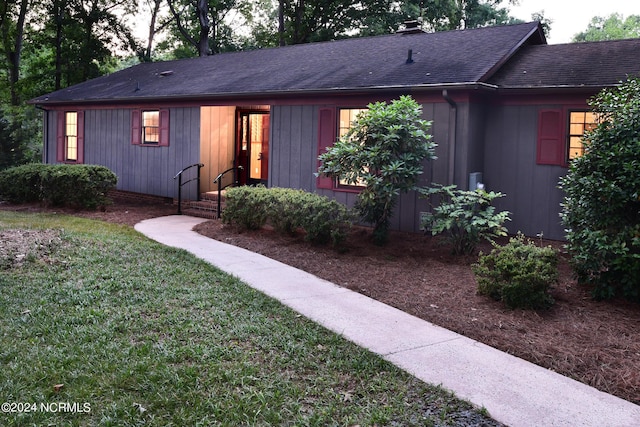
point(180, 183)
point(218, 180)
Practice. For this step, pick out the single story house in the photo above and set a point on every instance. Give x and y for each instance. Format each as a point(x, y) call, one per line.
point(508, 110)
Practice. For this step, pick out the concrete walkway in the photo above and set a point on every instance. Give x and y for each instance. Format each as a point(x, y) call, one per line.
point(515, 392)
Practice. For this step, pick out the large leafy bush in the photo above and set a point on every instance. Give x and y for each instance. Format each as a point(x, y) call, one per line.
point(519, 274)
point(385, 149)
point(601, 209)
point(463, 217)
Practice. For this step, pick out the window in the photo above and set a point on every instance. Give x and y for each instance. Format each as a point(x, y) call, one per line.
point(346, 118)
point(70, 137)
point(579, 123)
point(150, 128)
point(560, 134)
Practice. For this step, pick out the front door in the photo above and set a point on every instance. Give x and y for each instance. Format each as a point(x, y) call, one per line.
point(253, 147)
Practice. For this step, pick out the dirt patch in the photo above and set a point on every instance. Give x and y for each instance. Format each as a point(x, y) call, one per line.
point(597, 343)
point(20, 246)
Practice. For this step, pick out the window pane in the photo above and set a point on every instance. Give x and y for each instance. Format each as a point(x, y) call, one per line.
point(71, 136)
point(347, 117)
point(576, 129)
point(579, 122)
point(150, 127)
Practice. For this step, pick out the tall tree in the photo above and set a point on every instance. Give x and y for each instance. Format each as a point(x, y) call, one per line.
point(201, 24)
point(612, 27)
point(12, 24)
point(156, 25)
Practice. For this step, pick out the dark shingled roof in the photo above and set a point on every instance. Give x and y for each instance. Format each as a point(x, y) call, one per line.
point(439, 59)
point(592, 64)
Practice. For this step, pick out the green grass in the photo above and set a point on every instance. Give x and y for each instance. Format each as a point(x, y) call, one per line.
point(149, 335)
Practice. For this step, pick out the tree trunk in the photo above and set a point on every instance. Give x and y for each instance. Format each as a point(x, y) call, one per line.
point(14, 54)
point(281, 40)
point(155, 9)
point(58, 12)
point(205, 27)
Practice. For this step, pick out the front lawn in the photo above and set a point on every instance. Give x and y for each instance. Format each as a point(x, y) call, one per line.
point(101, 326)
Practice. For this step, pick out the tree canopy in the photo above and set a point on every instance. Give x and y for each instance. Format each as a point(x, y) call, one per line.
point(612, 27)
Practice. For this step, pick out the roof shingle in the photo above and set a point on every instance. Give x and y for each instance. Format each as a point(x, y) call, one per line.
point(452, 57)
point(590, 64)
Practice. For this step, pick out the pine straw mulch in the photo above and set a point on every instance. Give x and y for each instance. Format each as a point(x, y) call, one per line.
point(597, 343)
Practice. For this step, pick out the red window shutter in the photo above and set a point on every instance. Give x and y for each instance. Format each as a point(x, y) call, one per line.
point(60, 154)
point(136, 130)
point(551, 145)
point(164, 128)
point(326, 138)
point(80, 137)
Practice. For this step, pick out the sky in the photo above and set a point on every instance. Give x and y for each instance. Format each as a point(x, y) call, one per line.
point(572, 16)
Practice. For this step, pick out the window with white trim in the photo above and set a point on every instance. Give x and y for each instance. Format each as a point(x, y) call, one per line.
point(150, 127)
point(71, 136)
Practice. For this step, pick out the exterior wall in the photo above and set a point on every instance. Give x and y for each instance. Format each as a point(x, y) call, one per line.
point(532, 193)
point(497, 137)
point(141, 169)
point(217, 139)
point(293, 146)
point(294, 149)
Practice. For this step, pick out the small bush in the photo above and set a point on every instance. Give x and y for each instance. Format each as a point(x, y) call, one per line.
point(464, 217)
point(518, 274)
point(287, 210)
point(81, 186)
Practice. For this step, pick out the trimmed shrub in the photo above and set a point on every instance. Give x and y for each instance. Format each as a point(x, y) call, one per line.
point(246, 207)
point(287, 210)
point(325, 220)
point(519, 274)
point(80, 186)
point(22, 184)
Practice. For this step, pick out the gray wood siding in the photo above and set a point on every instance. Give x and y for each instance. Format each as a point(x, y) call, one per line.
point(532, 194)
point(293, 158)
point(143, 169)
point(293, 144)
point(49, 129)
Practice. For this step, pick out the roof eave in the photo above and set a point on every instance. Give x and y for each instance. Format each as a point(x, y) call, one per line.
point(555, 87)
point(268, 94)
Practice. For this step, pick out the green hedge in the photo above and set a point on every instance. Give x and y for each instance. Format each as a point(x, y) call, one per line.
point(81, 186)
point(287, 210)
